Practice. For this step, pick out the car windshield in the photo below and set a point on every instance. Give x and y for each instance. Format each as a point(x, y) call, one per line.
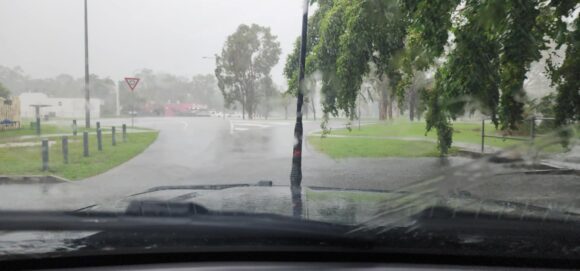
point(367, 115)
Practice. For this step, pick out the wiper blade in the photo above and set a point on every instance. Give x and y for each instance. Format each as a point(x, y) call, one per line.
point(155, 216)
point(200, 187)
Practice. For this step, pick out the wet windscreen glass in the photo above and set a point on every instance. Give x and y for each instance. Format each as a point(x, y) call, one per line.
point(373, 116)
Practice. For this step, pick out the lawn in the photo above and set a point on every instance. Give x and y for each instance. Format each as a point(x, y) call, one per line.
point(366, 147)
point(463, 132)
point(13, 135)
point(27, 160)
point(368, 141)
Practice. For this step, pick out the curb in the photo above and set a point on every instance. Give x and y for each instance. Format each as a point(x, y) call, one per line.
point(32, 179)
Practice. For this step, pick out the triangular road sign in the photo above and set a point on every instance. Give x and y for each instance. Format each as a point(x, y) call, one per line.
point(132, 82)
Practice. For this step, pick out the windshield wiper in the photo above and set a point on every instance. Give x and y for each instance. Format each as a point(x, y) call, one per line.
point(200, 187)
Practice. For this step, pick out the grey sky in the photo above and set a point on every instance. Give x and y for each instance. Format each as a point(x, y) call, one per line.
point(45, 37)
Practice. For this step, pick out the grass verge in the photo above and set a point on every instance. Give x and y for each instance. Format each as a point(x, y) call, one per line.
point(12, 135)
point(28, 161)
point(365, 147)
point(462, 132)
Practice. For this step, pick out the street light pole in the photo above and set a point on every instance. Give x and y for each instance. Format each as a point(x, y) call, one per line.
point(87, 93)
point(296, 172)
point(224, 105)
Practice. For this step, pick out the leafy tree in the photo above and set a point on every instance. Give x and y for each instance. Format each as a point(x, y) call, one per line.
point(566, 77)
point(246, 58)
point(204, 90)
point(485, 60)
point(415, 95)
point(4, 92)
point(291, 67)
point(268, 93)
point(286, 101)
point(352, 36)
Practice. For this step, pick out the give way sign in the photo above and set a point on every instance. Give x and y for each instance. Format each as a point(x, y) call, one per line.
point(132, 82)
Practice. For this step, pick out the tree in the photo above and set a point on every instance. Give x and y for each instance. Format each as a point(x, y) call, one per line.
point(4, 92)
point(268, 92)
point(415, 94)
point(565, 76)
point(485, 60)
point(286, 101)
point(291, 67)
point(247, 58)
point(345, 38)
point(204, 90)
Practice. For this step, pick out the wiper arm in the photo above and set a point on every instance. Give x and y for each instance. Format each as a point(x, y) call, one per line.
point(200, 187)
point(154, 216)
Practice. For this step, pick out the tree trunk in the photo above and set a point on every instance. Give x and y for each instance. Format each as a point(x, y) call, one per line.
point(312, 101)
point(412, 104)
point(313, 110)
point(390, 109)
point(243, 110)
point(383, 104)
point(285, 112)
point(250, 112)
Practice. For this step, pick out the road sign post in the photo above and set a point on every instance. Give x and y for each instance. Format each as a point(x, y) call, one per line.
point(132, 82)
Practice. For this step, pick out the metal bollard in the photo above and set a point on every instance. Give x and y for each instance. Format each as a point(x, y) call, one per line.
point(532, 129)
point(113, 138)
point(75, 127)
point(44, 154)
point(65, 149)
point(99, 139)
point(482, 135)
point(124, 133)
point(37, 126)
point(86, 144)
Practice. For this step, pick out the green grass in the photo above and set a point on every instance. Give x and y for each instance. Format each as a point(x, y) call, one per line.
point(27, 160)
point(365, 147)
point(13, 135)
point(463, 132)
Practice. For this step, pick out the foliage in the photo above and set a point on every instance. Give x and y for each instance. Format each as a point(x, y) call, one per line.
point(352, 35)
point(247, 58)
point(485, 60)
point(4, 92)
point(567, 80)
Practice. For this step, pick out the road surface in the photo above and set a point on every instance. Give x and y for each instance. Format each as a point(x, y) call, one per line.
point(193, 150)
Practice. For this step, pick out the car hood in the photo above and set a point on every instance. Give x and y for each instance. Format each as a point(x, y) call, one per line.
point(332, 205)
point(340, 206)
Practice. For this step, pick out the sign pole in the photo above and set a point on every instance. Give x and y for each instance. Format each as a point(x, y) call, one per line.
point(132, 109)
point(132, 82)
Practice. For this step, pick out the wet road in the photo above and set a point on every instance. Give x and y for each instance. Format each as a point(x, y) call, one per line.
point(220, 151)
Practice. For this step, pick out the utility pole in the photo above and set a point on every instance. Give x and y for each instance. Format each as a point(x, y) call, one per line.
point(296, 173)
point(87, 93)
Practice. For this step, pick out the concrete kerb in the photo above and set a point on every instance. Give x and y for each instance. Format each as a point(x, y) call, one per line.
point(32, 179)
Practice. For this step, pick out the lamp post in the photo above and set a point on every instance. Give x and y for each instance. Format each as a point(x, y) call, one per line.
point(87, 92)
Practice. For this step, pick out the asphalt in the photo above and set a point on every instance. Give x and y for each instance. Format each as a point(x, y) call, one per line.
point(193, 150)
point(206, 151)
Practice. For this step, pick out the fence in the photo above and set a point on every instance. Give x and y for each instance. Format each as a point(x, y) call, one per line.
point(532, 120)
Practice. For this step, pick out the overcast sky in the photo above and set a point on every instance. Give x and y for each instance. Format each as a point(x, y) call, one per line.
point(45, 37)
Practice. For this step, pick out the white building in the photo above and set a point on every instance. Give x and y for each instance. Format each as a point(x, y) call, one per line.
point(58, 107)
